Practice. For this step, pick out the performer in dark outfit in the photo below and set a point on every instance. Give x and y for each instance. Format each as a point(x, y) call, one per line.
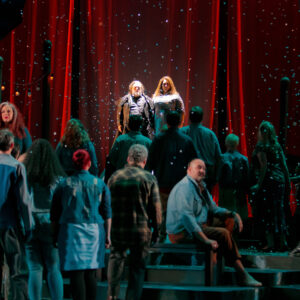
point(135, 103)
point(272, 185)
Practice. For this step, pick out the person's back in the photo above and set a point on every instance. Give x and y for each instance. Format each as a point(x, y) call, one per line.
point(206, 143)
point(43, 173)
point(131, 188)
point(13, 193)
point(118, 153)
point(15, 217)
point(80, 207)
point(234, 170)
point(170, 153)
point(75, 137)
point(136, 208)
point(233, 178)
point(117, 156)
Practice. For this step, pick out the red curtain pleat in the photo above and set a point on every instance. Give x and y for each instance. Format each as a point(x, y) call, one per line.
point(214, 57)
point(125, 40)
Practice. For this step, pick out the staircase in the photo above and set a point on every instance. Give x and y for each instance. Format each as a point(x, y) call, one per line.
point(180, 274)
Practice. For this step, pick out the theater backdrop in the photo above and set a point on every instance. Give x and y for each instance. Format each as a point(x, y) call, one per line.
point(226, 56)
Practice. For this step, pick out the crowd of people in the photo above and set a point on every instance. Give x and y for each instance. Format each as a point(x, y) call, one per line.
point(56, 214)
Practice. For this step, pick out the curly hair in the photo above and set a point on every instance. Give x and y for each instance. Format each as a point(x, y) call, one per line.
point(75, 135)
point(16, 125)
point(42, 164)
point(159, 90)
point(268, 133)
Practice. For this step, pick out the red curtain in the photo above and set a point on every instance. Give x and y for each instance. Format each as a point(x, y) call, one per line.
point(263, 47)
point(125, 40)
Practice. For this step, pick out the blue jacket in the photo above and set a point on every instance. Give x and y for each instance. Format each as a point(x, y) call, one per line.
point(188, 208)
point(15, 200)
point(81, 198)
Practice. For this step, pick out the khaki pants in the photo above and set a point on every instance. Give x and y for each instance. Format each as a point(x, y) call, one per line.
point(220, 231)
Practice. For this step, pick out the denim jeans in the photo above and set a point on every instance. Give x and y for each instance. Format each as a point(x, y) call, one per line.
point(42, 254)
point(12, 253)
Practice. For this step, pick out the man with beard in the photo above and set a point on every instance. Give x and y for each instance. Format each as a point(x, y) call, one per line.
point(135, 103)
point(193, 217)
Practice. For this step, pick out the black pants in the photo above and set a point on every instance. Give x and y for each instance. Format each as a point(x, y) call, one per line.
point(83, 284)
point(12, 252)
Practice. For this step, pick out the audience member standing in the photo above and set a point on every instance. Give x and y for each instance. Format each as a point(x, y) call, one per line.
point(136, 208)
point(12, 119)
point(43, 173)
point(206, 143)
point(135, 103)
point(169, 155)
point(15, 217)
point(80, 207)
point(118, 154)
point(272, 185)
point(234, 178)
point(75, 137)
point(166, 99)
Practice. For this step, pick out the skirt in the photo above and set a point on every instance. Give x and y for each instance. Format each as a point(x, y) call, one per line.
point(81, 246)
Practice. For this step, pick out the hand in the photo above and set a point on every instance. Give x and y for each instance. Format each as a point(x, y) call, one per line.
point(107, 242)
point(214, 244)
point(120, 128)
point(238, 220)
point(154, 237)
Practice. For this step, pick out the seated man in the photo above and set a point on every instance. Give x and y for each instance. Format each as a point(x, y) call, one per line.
point(189, 206)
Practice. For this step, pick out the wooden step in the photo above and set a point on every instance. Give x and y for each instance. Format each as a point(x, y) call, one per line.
point(286, 292)
point(154, 291)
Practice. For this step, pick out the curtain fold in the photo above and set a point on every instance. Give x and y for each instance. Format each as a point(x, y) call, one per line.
point(121, 41)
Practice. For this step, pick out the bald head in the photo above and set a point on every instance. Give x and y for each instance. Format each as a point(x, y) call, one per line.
point(197, 169)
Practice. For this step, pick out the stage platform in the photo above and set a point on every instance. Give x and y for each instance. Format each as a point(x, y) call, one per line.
point(178, 273)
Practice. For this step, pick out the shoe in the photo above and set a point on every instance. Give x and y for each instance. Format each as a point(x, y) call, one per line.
point(295, 252)
point(268, 249)
point(248, 280)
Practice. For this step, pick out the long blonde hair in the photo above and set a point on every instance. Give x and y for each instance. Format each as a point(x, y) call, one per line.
point(159, 90)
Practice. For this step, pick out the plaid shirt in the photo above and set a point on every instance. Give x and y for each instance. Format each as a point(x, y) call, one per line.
point(135, 205)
